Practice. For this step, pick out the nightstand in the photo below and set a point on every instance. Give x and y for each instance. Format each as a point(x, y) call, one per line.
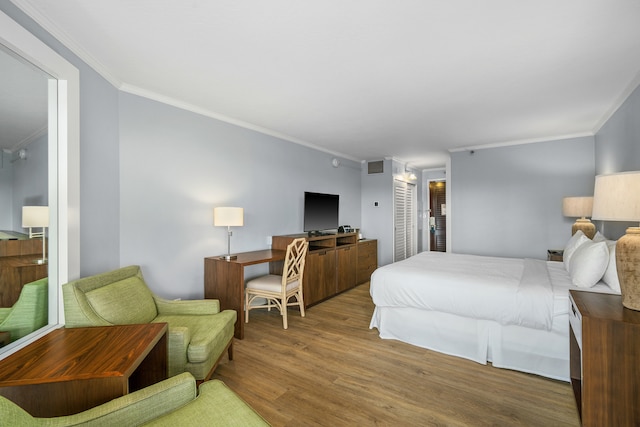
point(604, 348)
point(555, 254)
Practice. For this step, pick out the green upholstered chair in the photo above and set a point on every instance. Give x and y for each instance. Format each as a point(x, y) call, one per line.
point(173, 402)
point(29, 313)
point(199, 333)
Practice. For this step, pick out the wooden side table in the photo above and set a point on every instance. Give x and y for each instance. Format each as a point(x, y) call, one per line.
point(555, 255)
point(604, 348)
point(71, 370)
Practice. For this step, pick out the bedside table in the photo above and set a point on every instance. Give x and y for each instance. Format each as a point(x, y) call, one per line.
point(555, 254)
point(604, 347)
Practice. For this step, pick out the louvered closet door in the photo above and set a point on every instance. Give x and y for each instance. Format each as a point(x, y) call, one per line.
point(404, 218)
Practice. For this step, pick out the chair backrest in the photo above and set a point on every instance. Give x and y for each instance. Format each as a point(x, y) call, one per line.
point(117, 297)
point(294, 261)
point(30, 312)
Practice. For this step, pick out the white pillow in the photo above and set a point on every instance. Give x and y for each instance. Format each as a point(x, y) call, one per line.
point(589, 263)
point(599, 237)
point(574, 242)
point(610, 276)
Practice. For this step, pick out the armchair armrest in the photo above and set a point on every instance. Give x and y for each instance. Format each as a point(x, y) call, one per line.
point(181, 307)
point(216, 404)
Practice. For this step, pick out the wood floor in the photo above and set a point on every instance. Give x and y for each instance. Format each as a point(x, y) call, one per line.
point(330, 369)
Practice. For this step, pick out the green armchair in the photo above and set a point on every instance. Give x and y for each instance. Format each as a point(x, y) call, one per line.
point(172, 402)
point(29, 313)
point(199, 333)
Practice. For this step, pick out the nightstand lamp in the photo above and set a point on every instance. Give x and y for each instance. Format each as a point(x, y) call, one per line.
point(579, 207)
point(617, 198)
point(228, 217)
point(36, 217)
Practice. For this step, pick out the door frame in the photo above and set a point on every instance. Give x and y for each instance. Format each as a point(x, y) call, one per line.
point(428, 212)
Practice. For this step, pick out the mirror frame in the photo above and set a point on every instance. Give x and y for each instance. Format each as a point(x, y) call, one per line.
point(64, 167)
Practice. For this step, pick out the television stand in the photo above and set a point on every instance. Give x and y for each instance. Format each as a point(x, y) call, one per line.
point(335, 263)
point(319, 233)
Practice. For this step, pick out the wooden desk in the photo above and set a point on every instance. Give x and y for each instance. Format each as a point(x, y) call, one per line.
point(224, 280)
point(71, 370)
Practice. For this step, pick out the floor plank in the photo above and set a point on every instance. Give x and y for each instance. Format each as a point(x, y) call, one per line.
point(330, 369)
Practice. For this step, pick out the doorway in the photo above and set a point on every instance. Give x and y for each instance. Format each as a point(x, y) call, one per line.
point(438, 216)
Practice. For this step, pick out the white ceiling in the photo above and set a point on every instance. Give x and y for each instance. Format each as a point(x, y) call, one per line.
point(368, 79)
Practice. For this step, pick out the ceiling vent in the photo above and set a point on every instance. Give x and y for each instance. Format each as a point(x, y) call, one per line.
point(375, 167)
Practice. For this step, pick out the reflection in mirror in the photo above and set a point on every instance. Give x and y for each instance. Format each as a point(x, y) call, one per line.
point(24, 185)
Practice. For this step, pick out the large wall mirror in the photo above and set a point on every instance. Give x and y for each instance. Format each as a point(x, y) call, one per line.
point(39, 109)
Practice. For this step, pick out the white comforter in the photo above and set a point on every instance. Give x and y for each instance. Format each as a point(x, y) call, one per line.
point(507, 290)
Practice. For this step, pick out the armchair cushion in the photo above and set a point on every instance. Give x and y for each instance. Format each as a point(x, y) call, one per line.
point(207, 334)
point(125, 302)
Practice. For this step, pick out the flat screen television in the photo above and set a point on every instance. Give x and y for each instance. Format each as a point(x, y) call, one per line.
point(320, 212)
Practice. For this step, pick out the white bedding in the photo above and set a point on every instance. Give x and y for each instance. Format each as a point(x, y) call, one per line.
point(441, 302)
point(509, 291)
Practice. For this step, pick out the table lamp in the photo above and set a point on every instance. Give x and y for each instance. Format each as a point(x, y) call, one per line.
point(36, 216)
point(617, 198)
point(228, 217)
point(579, 207)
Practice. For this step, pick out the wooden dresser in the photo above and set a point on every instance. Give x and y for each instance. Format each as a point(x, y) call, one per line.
point(17, 267)
point(334, 264)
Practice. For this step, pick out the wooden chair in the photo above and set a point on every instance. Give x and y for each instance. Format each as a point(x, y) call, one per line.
point(278, 290)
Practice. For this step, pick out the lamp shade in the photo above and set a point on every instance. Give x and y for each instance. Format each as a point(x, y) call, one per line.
point(228, 217)
point(577, 206)
point(35, 216)
point(616, 197)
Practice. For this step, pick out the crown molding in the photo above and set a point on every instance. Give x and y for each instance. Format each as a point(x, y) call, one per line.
point(520, 142)
point(135, 90)
point(68, 42)
point(624, 95)
point(29, 139)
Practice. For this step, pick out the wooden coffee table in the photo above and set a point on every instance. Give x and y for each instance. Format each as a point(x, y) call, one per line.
point(71, 370)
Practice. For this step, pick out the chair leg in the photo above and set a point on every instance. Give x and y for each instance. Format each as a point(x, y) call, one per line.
point(230, 350)
point(285, 323)
point(246, 308)
point(300, 303)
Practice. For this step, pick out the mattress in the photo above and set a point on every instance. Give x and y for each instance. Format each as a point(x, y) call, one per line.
point(542, 351)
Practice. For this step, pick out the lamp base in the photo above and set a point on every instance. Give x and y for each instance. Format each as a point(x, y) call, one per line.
point(628, 267)
point(229, 257)
point(587, 227)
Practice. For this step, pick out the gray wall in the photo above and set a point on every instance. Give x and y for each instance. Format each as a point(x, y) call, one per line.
point(617, 149)
point(6, 191)
point(176, 166)
point(99, 145)
point(23, 182)
point(377, 221)
point(507, 201)
point(30, 178)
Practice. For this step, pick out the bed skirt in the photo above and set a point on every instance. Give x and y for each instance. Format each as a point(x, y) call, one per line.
point(534, 351)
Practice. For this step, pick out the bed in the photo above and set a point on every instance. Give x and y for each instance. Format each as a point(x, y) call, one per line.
point(507, 311)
